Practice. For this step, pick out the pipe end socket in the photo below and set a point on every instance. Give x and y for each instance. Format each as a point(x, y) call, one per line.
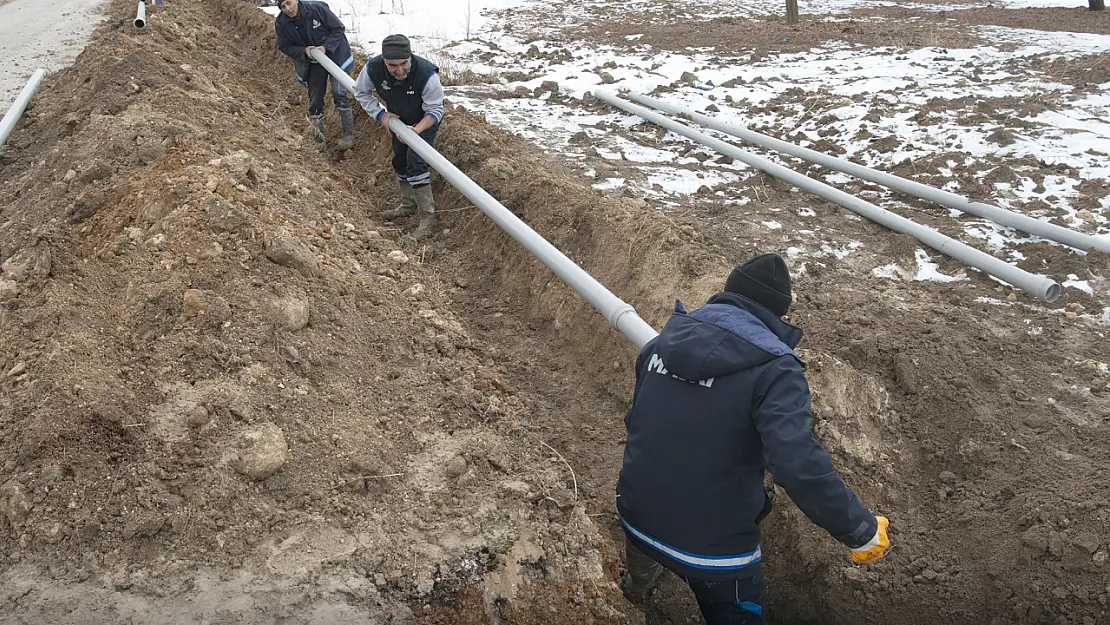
point(140, 23)
point(1052, 293)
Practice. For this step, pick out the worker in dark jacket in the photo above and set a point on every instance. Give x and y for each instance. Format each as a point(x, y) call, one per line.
point(409, 86)
point(302, 27)
point(720, 397)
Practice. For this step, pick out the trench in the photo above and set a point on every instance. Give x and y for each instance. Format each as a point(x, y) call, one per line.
point(899, 385)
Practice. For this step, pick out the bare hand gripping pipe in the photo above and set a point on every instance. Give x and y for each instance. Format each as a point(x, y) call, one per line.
point(998, 215)
point(1039, 286)
point(621, 315)
point(11, 118)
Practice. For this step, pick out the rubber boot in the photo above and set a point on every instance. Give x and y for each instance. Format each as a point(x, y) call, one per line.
point(317, 122)
point(408, 203)
point(347, 121)
point(426, 204)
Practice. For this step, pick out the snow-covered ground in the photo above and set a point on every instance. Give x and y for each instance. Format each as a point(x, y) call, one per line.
point(431, 24)
point(41, 33)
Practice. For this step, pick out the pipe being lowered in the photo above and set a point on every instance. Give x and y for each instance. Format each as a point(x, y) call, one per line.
point(11, 118)
point(140, 15)
point(1039, 286)
point(998, 215)
point(621, 315)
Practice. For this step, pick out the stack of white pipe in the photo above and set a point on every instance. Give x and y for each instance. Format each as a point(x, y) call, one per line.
point(1039, 286)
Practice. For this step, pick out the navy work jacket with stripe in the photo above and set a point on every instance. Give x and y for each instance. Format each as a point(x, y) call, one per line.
point(720, 397)
point(315, 26)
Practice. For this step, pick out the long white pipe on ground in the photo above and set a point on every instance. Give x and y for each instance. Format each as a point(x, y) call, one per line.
point(621, 315)
point(15, 111)
point(998, 215)
point(1039, 286)
point(140, 15)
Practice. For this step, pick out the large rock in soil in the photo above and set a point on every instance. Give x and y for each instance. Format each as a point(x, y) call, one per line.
point(30, 264)
point(262, 452)
point(291, 313)
point(285, 250)
point(14, 503)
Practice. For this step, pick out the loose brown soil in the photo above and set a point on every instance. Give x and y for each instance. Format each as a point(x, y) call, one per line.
point(226, 397)
point(1073, 20)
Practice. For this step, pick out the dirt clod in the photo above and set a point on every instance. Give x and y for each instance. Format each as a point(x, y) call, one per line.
point(456, 466)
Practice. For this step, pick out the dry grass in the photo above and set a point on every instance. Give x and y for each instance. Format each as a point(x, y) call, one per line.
point(771, 35)
point(454, 73)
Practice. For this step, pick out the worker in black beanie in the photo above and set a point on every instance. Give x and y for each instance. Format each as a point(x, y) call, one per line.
point(409, 89)
point(765, 280)
point(720, 398)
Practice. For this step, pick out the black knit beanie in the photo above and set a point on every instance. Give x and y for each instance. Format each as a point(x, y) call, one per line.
point(764, 280)
point(396, 48)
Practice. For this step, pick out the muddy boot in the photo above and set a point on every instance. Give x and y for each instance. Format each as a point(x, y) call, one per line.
point(641, 576)
point(347, 121)
point(426, 204)
point(317, 122)
point(408, 203)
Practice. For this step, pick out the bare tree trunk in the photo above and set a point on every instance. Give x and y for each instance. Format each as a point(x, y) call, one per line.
point(1096, 5)
point(792, 10)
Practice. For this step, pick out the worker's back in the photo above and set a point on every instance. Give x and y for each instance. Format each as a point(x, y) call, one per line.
point(692, 477)
point(720, 396)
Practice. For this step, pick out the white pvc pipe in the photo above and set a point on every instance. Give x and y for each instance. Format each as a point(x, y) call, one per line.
point(15, 111)
point(621, 315)
point(998, 215)
point(1039, 286)
point(140, 15)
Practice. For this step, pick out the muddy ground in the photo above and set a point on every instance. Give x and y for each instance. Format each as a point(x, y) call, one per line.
point(230, 394)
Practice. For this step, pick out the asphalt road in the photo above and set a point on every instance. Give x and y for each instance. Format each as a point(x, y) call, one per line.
point(41, 33)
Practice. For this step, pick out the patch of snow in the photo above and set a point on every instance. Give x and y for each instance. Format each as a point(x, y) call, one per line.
point(1074, 282)
point(928, 270)
point(609, 183)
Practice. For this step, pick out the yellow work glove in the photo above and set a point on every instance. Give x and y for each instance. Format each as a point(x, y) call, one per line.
point(876, 547)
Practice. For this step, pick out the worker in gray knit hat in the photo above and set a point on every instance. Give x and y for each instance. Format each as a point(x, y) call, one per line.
point(411, 91)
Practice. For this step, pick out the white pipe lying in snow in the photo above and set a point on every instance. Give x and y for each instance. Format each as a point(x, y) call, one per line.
point(1040, 286)
point(998, 215)
point(621, 315)
point(11, 118)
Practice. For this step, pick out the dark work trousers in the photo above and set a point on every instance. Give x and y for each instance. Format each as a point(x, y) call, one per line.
point(407, 163)
point(735, 602)
point(318, 88)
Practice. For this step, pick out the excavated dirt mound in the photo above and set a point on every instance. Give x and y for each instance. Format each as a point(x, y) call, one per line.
point(229, 394)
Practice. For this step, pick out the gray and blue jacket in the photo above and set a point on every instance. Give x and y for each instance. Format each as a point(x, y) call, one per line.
point(721, 397)
point(316, 26)
point(417, 95)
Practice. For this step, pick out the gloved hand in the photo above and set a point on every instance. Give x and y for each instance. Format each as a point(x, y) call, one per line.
point(876, 547)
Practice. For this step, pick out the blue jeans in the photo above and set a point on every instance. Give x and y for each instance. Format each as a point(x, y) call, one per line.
point(740, 601)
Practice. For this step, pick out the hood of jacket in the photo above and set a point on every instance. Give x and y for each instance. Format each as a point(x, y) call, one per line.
point(729, 333)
